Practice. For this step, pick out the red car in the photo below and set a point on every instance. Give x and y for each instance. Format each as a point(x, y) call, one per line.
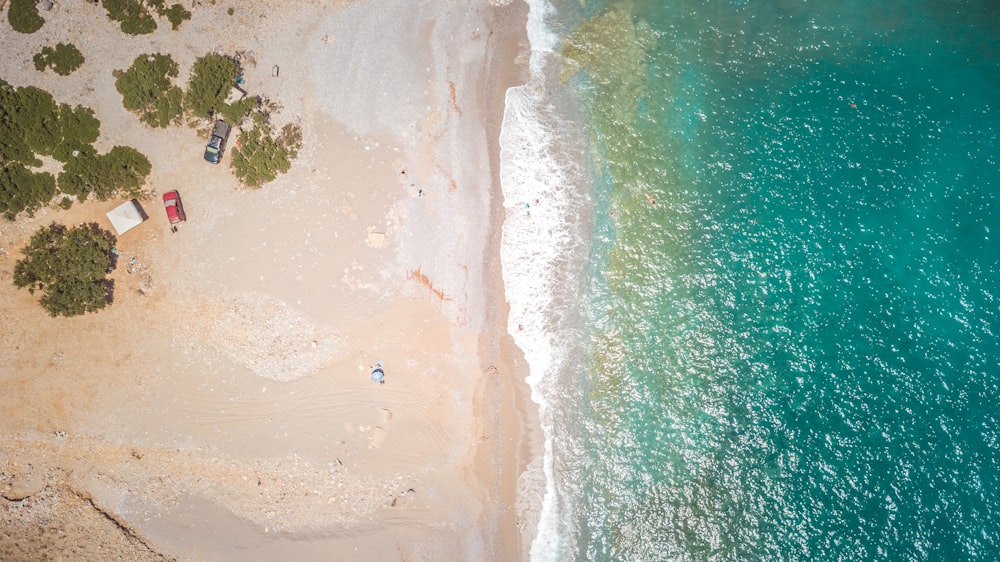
point(175, 211)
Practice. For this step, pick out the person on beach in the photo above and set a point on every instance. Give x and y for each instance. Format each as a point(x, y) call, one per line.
point(378, 375)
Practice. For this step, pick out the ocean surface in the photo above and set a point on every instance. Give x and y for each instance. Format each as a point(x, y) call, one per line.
point(752, 259)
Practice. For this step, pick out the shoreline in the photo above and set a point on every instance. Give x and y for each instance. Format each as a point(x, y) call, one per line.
point(504, 397)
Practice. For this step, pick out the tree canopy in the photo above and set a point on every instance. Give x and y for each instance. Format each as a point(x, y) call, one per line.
point(32, 124)
point(63, 59)
point(135, 18)
point(69, 266)
point(131, 15)
point(175, 14)
point(262, 153)
point(24, 17)
point(33, 115)
point(79, 128)
point(120, 172)
point(147, 89)
point(21, 189)
point(212, 78)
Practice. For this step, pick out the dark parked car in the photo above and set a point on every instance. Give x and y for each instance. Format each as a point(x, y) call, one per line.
point(175, 210)
point(217, 144)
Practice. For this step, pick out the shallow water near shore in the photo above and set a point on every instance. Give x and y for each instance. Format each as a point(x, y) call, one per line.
point(767, 328)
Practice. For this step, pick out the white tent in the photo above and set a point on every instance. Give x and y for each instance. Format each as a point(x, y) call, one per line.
point(126, 216)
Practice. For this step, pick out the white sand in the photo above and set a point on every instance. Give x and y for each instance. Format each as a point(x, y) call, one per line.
point(222, 407)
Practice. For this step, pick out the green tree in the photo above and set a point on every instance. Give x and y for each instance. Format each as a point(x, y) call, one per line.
point(120, 172)
point(24, 17)
point(125, 172)
point(135, 16)
point(69, 266)
point(12, 145)
point(80, 129)
point(32, 123)
point(167, 110)
point(147, 89)
point(236, 111)
point(81, 175)
point(132, 16)
point(36, 118)
point(23, 190)
point(212, 77)
point(175, 14)
point(63, 59)
point(261, 154)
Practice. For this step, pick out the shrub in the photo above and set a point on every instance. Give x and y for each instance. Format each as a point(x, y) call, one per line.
point(24, 17)
point(69, 266)
point(261, 155)
point(212, 77)
point(64, 59)
point(147, 89)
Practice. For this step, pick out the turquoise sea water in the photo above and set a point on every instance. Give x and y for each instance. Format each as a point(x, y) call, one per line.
point(788, 342)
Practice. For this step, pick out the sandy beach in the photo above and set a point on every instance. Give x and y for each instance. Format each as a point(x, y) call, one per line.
point(221, 408)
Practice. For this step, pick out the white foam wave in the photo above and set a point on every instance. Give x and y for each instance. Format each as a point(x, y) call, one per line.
point(542, 252)
point(543, 40)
